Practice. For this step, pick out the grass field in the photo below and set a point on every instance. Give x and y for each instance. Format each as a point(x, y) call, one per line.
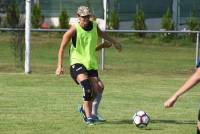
point(139, 78)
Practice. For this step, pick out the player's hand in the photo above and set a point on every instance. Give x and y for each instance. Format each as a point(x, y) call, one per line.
point(118, 46)
point(59, 71)
point(170, 102)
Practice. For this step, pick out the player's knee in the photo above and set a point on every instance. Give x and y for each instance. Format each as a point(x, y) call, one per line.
point(98, 87)
point(87, 90)
point(101, 86)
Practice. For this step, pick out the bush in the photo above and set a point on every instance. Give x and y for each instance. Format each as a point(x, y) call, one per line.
point(37, 18)
point(17, 38)
point(114, 20)
point(64, 20)
point(12, 16)
point(193, 24)
point(139, 22)
point(167, 24)
point(0, 21)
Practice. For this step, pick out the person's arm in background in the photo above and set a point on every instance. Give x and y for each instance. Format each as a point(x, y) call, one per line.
point(192, 81)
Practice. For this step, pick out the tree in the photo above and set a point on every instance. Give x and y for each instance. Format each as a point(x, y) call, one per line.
point(17, 39)
point(193, 24)
point(64, 20)
point(13, 15)
point(36, 16)
point(114, 20)
point(139, 22)
point(167, 24)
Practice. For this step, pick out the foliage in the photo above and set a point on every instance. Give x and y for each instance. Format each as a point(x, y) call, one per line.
point(17, 39)
point(12, 15)
point(64, 20)
point(167, 24)
point(0, 21)
point(139, 22)
point(88, 4)
point(193, 23)
point(18, 48)
point(37, 18)
point(114, 20)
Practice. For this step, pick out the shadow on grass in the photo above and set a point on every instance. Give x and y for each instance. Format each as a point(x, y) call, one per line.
point(173, 121)
point(155, 121)
point(121, 122)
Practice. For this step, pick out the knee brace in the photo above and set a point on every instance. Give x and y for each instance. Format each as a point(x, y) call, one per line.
point(87, 90)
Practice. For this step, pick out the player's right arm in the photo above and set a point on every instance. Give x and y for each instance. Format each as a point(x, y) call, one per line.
point(65, 41)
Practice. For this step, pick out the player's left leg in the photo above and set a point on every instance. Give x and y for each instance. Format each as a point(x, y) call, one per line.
point(98, 87)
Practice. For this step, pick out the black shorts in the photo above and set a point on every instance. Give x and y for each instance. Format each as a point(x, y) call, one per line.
point(77, 69)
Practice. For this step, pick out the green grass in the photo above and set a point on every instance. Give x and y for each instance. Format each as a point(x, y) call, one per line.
point(141, 77)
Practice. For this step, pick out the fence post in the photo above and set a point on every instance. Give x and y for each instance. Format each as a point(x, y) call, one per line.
point(103, 50)
point(197, 49)
point(27, 37)
point(102, 57)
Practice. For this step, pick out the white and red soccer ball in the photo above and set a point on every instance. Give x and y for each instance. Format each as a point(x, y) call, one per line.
point(141, 119)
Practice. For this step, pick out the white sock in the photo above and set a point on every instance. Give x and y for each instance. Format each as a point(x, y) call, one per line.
point(95, 104)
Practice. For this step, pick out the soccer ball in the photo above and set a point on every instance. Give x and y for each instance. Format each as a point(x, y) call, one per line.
point(141, 119)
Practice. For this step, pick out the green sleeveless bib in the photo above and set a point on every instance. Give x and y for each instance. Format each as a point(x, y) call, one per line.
point(84, 52)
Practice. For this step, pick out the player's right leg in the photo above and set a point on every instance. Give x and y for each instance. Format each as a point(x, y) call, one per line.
point(78, 73)
point(87, 97)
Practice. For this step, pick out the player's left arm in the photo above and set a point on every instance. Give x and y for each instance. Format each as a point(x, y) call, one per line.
point(100, 46)
point(105, 44)
point(103, 35)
